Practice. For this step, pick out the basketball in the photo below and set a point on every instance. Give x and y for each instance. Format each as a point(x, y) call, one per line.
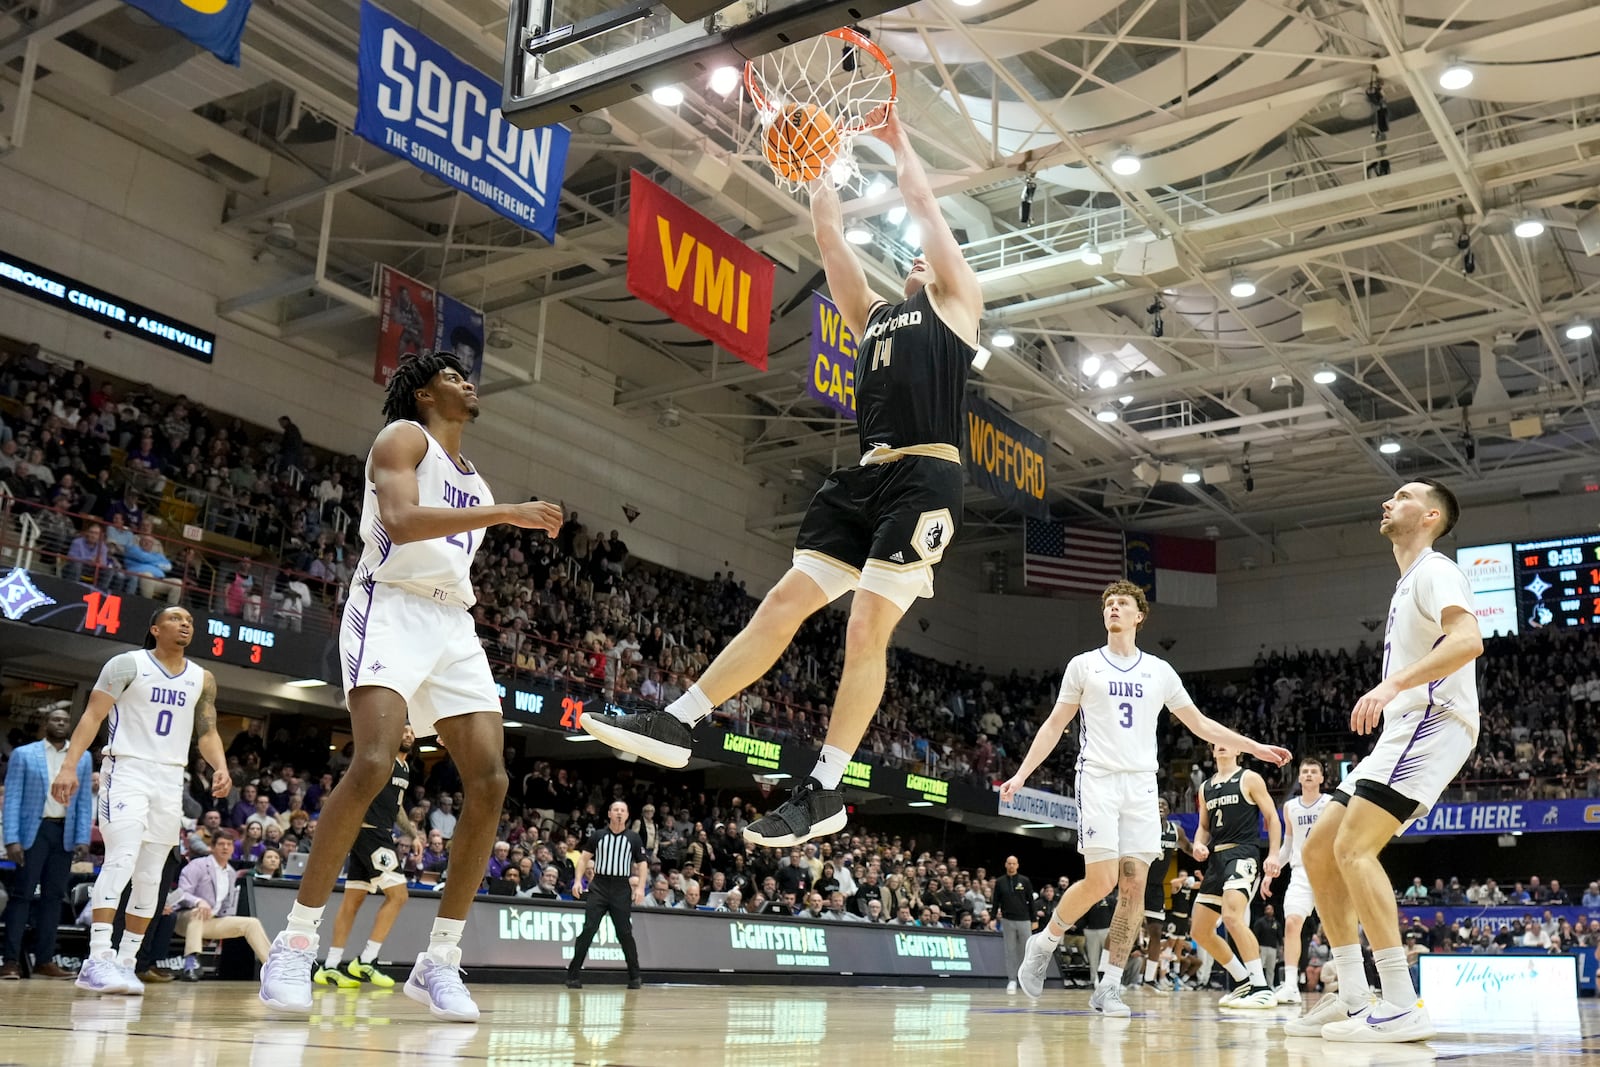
point(801, 142)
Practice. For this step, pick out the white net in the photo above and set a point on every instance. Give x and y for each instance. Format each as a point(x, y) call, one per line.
point(813, 99)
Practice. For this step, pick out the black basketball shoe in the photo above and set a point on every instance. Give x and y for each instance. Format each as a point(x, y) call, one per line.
point(658, 736)
point(811, 811)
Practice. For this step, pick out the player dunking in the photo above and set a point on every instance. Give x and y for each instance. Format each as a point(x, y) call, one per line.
point(1228, 842)
point(1120, 691)
point(1300, 814)
point(408, 647)
point(1428, 703)
point(373, 867)
point(1173, 840)
point(880, 528)
point(156, 699)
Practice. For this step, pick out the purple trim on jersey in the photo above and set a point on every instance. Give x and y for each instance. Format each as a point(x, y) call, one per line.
point(162, 669)
point(105, 785)
point(381, 538)
point(1126, 669)
point(111, 735)
point(459, 468)
point(1407, 765)
point(357, 621)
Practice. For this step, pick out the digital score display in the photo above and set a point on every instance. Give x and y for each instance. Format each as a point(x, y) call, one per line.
point(1534, 585)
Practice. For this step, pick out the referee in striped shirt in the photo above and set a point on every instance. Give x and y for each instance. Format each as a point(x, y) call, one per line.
point(610, 856)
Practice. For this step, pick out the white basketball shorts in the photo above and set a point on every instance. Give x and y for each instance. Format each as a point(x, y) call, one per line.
point(1418, 754)
point(1119, 815)
point(1298, 898)
point(140, 801)
point(426, 651)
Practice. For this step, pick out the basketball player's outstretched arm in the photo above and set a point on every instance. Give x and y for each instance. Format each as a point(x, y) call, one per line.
point(1044, 743)
point(1255, 790)
point(83, 735)
point(847, 282)
point(207, 738)
point(395, 455)
point(955, 284)
point(1210, 730)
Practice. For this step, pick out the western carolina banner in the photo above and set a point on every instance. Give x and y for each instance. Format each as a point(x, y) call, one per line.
point(420, 102)
point(215, 25)
point(412, 317)
point(1005, 459)
point(833, 358)
point(1174, 570)
point(704, 277)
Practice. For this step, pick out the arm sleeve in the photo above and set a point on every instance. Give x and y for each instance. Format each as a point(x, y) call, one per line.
point(1441, 585)
point(118, 673)
point(1072, 683)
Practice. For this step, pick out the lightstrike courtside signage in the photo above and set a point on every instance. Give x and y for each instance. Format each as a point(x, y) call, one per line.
point(420, 102)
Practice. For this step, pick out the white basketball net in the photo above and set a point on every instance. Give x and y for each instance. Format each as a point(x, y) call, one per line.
point(842, 73)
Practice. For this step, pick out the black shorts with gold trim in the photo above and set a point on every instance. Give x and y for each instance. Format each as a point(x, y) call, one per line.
point(901, 513)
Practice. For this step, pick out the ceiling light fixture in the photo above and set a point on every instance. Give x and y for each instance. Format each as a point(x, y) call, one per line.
point(499, 337)
point(1325, 374)
point(1091, 254)
point(1389, 445)
point(858, 235)
point(897, 215)
point(1241, 288)
point(1529, 227)
point(1125, 400)
point(1191, 476)
point(1090, 365)
point(1108, 378)
point(1455, 77)
point(1126, 163)
point(1443, 245)
point(1003, 338)
point(667, 95)
point(281, 235)
point(1106, 413)
point(913, 236)
point(724, 80)
point(1579, 330)
point(877, 187)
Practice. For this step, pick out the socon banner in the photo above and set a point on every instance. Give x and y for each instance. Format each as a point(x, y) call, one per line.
point(684, 264)
point(421, 103)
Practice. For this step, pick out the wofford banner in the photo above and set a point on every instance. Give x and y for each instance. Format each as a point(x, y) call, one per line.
point(1005, 459)
point(684, 264)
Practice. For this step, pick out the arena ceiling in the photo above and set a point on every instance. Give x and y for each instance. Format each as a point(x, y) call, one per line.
point(1255, 123)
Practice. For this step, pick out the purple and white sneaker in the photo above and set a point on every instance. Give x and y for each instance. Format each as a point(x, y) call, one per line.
point(436, 982)
point(131, 984)
point(286, 976)
point(104, 975)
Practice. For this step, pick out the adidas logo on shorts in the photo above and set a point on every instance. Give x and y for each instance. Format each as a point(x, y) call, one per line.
point(898, 557)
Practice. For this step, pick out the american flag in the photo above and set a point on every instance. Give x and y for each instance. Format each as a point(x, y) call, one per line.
point(1070, 558)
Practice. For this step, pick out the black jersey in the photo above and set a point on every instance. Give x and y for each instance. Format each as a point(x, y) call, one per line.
point(1169, 845)
point(385, 807)
point(911, 377)
point(1233, 819)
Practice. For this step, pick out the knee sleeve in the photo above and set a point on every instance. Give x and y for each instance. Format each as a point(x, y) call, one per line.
point(147, 880)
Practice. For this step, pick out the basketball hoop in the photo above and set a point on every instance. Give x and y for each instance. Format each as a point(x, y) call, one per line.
point(814, 99)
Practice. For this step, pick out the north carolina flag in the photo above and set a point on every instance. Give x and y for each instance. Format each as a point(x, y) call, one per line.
point(215, 25)
point(1174, 570)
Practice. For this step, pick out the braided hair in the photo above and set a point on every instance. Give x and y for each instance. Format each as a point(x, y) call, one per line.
point(415, 372)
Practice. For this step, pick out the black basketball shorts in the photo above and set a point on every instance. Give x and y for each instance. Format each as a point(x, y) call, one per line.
point(373, 865)
point(883, 527)
point(1237, 868)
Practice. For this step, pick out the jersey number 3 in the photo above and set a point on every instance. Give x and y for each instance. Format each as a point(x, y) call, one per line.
point(1127, 716)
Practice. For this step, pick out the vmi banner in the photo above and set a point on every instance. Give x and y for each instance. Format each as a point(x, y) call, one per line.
point(423, 104)
point(833, 358)
point(215, 25)
point(1005, 459)
point(704, 277)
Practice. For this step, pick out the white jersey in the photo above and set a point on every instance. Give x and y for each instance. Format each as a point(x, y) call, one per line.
point(1433, 584)
point(1298, 819)
point(153, 714)
point(1119, 700)
point(439, 568)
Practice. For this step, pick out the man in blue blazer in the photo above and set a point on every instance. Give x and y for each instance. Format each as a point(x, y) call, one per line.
point(42, 838)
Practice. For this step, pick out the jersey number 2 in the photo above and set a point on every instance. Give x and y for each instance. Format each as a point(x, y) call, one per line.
point(1127, 716)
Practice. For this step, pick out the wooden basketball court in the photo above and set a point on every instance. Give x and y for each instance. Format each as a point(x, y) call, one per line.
point(222, 1024)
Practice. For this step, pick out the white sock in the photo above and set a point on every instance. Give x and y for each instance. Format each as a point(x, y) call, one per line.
point(690, 708)
point(446, 935)
point(370, 953)
point(1236, 970)
point(1395, 976)
point(1258, 976)
point(1103, 962)
point(1051, 936)
point(335, 956)
point(128, 951)
point(1150, 970)
point(100, 940)
point(1352, 972)
point(830, 766)
point(303, 919)
point(1110, 975)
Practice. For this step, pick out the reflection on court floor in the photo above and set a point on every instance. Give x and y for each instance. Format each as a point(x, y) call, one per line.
point(221, 1024)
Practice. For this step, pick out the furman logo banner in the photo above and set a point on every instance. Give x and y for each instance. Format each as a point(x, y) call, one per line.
point(1004, 459)
point(682, 263)
point(421, 103)
point(215, 25)
point(833, 358)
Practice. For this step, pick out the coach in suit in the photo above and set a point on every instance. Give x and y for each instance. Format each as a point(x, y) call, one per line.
point(42, 838)
point(615, 854)
point(207, 898)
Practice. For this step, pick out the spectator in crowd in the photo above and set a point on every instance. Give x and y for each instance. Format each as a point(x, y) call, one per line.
point(88, 558)
point(443, 817)
point(207, 899)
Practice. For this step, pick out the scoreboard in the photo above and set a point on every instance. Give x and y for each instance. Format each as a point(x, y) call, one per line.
point(1534, 585)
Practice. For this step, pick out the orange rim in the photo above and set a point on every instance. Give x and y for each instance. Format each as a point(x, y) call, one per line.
point(849, 36)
